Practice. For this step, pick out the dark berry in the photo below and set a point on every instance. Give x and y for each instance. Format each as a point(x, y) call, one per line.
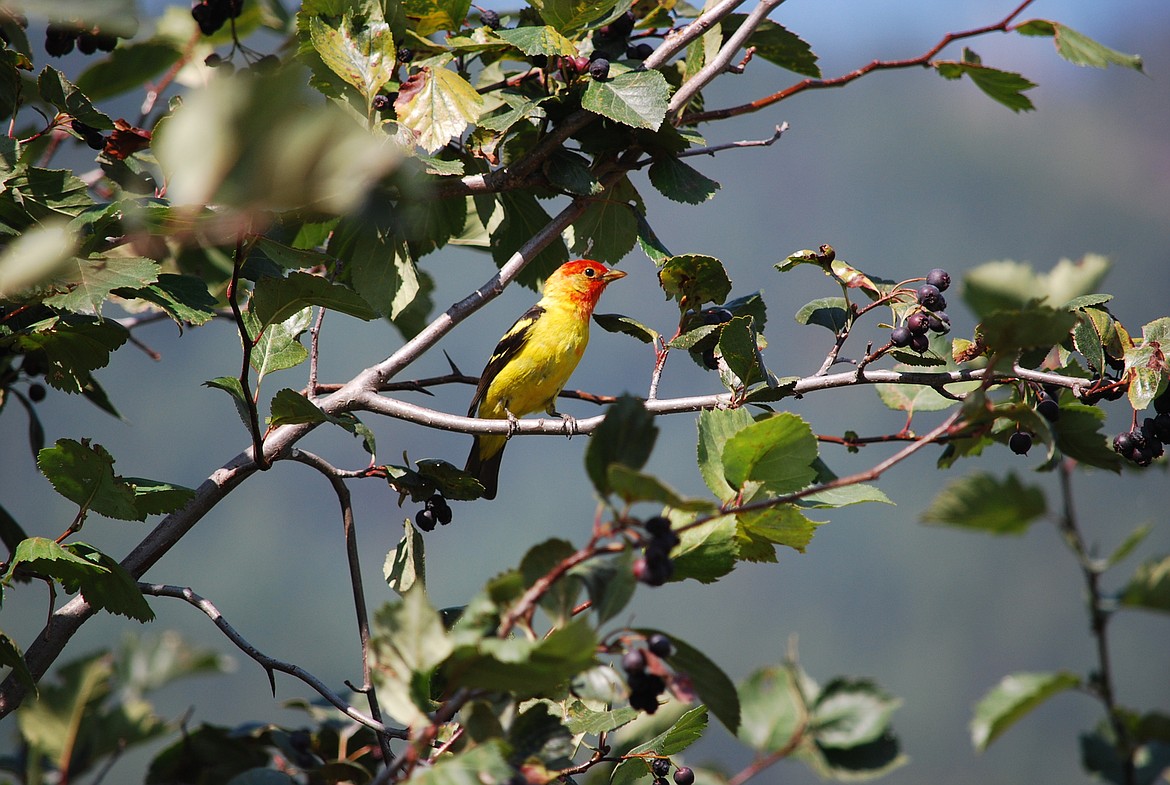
point(405, 55)
point(618, 28)
point(1122, 443)
point(1150, 437)
point(639, 52)
point(660, 781)
point(660, 767)
point(684, 776)
point(900, 336)
point(657, 526)
point(715, 315)
point(36, 393)
point(1162, 402)
point(490, 19)
point(209, 17)
point(382, 102)
point(709, 358)
point(653, 569)
point(1162, 427)
point(213, 60)
point(644, 701)
point(425, 520)
point(939, 279)
point(1020, 442)
point(660, 644)
point(938, 322)
point(599, 68)
point(87, 43)
point(917, 322)
point(928, 293)
point(106, 42)
point(438, 505)
point(267, 64)
point(634, 661)
point(1049, 409)
point(59, 40)
point(919, 343)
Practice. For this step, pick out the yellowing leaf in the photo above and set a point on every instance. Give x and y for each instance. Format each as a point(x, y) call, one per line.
point(362, 55)
point(437, 105)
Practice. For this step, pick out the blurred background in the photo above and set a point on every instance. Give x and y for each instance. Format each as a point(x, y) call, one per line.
point(900, 172)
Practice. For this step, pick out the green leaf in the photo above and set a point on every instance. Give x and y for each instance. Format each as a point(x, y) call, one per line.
point(917, 397)
point(583, 720)
point(608, 228)
point(84, 474)
point(483, 763)
point(568, 16)
point(1147, 362)
point(153, 497)
point(713, 686)
point(408, 643)
point(538, 40)
point(289, 407)
point(716, 427)
point(449, 480)
point(84, 284)
point(739, 348)
point(1006, 285)
point(634, 98)
point(707, 551)
point(777, 451)
point(277, 299)
point(626, 436)
point(12, 657)
point(571, 173)
point(45, 557)
point(406, 565)
point(829, 312)
point(127, 67)
point(782, 524)
point(1011, 699)
point(231, 385)
point(438, 105)
point(1078, 435)
point(633, 486)
point(49, 193)
point(1077, 48)
point(617, 323)
point(523, 218)
point(360, 51)
point(1149, 587)
point(527, 668)
point(684, 732)
point(278, 346)
point(984, 502)
point(609, 582)
point(1006, 87)
point(772, 710)
point(1006, 332)
point(64, 95)
point(432, 16)
point(679, 182)
point(851, 712)
point(693, 279)
point(777, 45)
point(649, 242)
point(182, 297)
point(113, 590)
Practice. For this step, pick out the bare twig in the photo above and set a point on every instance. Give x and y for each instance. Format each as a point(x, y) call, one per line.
point(355, 579)
point(775, 137)
point(269, 664)
point(245, 367)
point(844, 79)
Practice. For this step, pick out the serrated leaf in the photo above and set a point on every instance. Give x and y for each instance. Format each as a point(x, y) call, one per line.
point(84, 474)
point(362, 51)
point(1078, 48)
point(685, 731)
point(1011, 699)
point(609, 582)
point(277, 299)
point(635, 98)
point(694, 279)
point(649, 242)
point(569, 16)
point(583, 720)
point(231, 385)
point(571, 173)
point(1005, 332)
point(289, 407)
point(1078, 434)
point(618, 323)
point(114, 591)
point(408, 643)
point(607, 229)
point(782, 524)
point(449, 480)
point(438, 105)
point(1006, 87)
point(716, 427)
point(406, 565)
point(12, 657)
point(707, 551)
point(739, 348)
point(781, 47)
point(984, 502)
point(73, 347)
point(1149, 588)
point(278, 346)
point(626, 436)
point(851, 712)
point(64, 95)
point(432, 16)
point(538, 40)
point(527, 668)
point(153, 497)
point(182, 297)
point(44, 556)
point(523, 218)
point(914, 397)
point(679, 182)
point(49, 193)
point(84, 284)
point(777, 451)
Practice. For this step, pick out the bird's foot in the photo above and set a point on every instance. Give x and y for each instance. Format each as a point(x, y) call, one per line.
point(513, 424)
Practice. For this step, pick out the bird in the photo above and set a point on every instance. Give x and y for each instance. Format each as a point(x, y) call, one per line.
point(534, 359)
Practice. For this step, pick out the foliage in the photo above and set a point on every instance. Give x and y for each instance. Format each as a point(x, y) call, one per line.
point(291, 184)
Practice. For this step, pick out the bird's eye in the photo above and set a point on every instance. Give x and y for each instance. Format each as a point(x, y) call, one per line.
point(590, 272)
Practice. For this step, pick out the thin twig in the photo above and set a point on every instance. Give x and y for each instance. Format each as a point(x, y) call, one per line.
point(269, 664)
point(775, 137)
point(355, 578)
point(248, 344)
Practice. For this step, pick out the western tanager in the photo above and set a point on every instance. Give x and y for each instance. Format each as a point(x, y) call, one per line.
point(535, 358)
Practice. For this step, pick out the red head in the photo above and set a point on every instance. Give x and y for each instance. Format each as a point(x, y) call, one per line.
point(581, 282)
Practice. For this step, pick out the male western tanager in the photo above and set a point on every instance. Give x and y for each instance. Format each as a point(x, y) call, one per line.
point(535, 358)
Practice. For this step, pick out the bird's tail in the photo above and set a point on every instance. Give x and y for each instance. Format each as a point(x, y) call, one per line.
point(485, 469)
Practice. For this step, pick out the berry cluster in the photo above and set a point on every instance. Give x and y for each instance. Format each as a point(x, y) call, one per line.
point(619, 29)
point(645, 671)
point(1048, 408)
point(60, 38)
point(1142, 445)
point(930, 317)
point(436, 510)
point(211, 15)
point(490, 18)
point(654, 566)
point(660, 767)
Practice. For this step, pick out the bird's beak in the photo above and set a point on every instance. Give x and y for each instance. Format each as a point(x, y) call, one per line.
point(613, 275)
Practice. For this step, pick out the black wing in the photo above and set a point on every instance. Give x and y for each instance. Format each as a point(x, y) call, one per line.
point(508, 347)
